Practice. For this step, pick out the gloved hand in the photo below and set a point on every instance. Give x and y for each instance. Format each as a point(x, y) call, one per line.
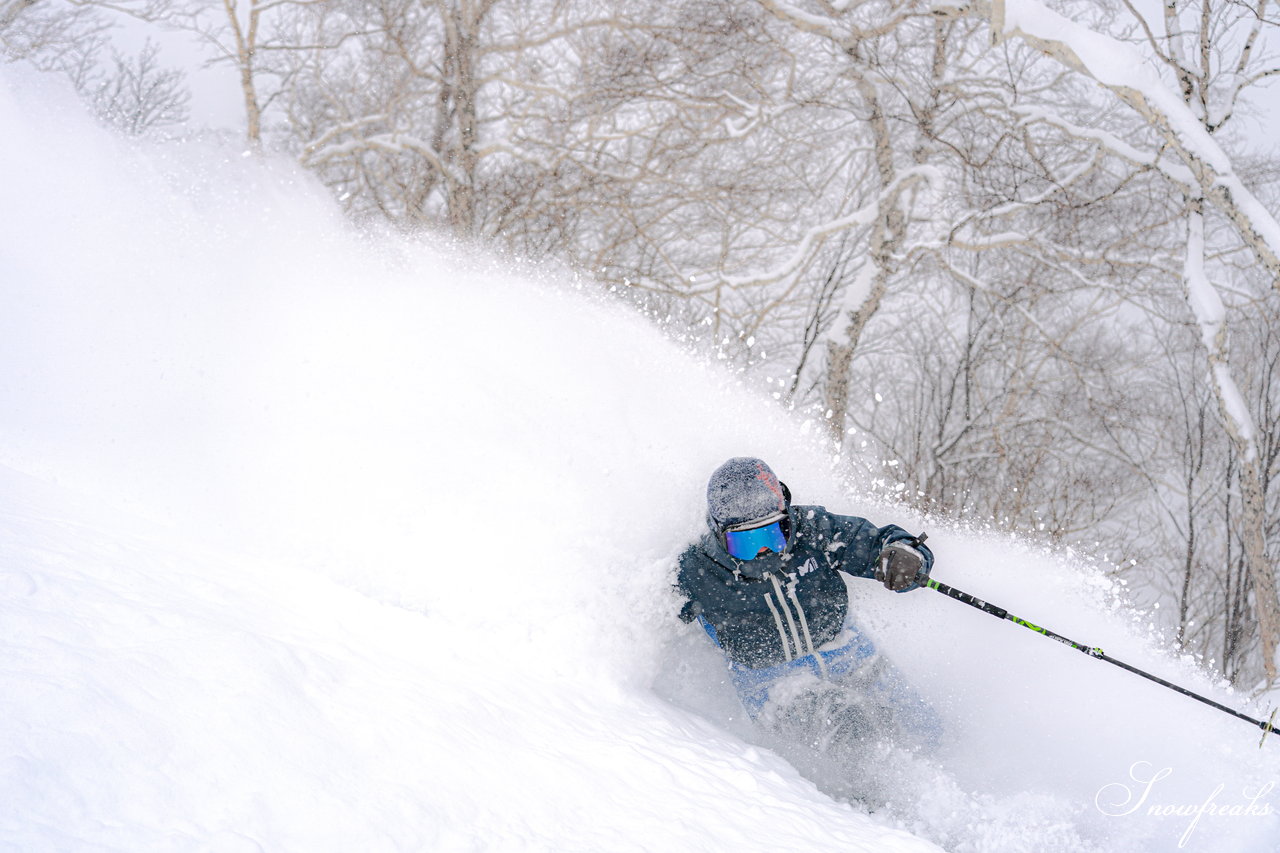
point(900, 566)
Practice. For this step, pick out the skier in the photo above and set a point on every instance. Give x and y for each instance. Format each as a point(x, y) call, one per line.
point(765, 584)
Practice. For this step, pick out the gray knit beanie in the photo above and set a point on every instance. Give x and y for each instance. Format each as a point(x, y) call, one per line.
point(743, 489)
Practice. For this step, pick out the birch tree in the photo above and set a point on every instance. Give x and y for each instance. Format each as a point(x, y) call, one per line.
point(1186, 118)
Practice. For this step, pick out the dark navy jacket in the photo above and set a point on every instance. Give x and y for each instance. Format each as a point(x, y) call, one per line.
point(778, 607)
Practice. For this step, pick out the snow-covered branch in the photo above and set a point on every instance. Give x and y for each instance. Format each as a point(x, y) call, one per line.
point(814, 236)
point(1120, 69)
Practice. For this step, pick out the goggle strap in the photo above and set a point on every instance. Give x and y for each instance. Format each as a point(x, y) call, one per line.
point(754, 523)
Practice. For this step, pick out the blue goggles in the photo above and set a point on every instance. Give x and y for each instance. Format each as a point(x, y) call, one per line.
point(746, 544)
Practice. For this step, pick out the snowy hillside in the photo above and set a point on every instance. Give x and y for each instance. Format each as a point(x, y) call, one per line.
point(319, 542)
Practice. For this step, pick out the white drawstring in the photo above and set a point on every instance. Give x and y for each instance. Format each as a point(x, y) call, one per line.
point(777, 620)
point(804, 625)
point(791, 623)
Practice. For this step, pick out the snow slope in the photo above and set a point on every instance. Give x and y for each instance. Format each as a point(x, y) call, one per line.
point(312, 541)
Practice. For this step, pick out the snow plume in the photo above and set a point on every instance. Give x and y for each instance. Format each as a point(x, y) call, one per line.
point(403, 581)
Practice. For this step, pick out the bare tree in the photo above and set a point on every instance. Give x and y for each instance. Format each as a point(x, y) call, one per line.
point(403, 122)
point(52, 38)
point(1186, 117)
point(131, 92)
point(249, 35)
point(138, 96)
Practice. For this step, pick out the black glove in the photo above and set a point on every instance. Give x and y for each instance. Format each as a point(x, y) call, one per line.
point(900, 566)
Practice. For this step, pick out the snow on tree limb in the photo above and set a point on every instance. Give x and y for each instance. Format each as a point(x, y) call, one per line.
point(859, 218)
point(1175, 172)
point(1118, 67)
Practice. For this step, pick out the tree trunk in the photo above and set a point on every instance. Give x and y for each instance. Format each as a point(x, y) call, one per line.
point(461, 40)
point(840, 353)
point(886, 235)
point(246, 45)
point(1210, 314)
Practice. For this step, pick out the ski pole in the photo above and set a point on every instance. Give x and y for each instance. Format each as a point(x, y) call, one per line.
point(1094, 652)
